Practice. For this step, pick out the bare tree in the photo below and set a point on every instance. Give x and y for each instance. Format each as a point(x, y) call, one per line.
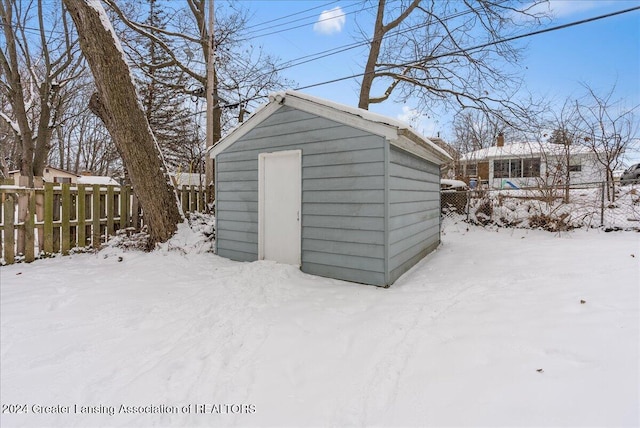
point(83, 143)
point(240, 75)
point(475, 129)
point(36, 70)
point(608, 128)
point(116, 103)
point(560, 170)
point(423, 51)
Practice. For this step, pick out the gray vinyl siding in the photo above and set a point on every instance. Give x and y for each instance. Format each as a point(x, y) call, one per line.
point(343, 215)
point(414, 210)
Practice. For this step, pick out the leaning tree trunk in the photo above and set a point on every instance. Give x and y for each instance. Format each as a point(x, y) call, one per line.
point(116, 103)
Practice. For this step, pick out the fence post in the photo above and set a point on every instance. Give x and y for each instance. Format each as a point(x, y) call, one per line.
point(81, 217)
point(29, 223)
point(201, 199)
point(48, 218)
point(193, 203)
point(23, 208)
point(184, 199)
point(602, 205)
point(124, 207)
point(65, 233)
point(9, 240)
point(95, 217)
point(110, 212)
point(39, 195)
point(135, 213)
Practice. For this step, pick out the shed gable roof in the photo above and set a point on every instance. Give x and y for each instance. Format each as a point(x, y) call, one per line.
point(396, 132)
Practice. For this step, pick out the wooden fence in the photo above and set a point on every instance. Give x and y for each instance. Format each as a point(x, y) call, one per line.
point(59, 218)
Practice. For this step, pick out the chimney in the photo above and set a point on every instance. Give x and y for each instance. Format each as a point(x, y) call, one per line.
point(500, 140)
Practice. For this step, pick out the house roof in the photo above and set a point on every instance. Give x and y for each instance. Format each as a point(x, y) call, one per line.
point(445, 146)
point(396, 132)
point(522, 150)
point(62, 170)
point(97, 179)
point(49, 167)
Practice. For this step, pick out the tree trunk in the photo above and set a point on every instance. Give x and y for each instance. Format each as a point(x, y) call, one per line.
point(116, 103)
point(374, 52)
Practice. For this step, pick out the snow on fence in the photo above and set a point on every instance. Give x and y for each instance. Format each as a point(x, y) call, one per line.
point(60, 218)
point(547, 207)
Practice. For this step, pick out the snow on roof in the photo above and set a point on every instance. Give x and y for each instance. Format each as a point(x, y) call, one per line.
point(397, 132)
point(97, 179)
point(522, 149)
point(364, 114)
point(453, 183)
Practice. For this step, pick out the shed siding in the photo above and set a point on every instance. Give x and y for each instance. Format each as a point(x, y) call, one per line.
point(342, 194)
point(414, 210)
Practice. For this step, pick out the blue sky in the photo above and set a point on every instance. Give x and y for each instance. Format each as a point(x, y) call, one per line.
point(600, 53)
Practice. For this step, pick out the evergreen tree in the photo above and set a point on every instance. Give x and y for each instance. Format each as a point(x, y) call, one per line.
point(166, 106)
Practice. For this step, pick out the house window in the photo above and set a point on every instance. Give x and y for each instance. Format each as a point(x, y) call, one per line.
point(471, 169)
point(575, 168)
point(531, 167)
point(501, 168)
point(62, 179)
point(516, 168)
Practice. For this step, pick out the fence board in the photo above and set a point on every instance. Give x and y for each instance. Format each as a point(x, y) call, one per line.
point(110, 211)
point(65, 232)
point(184, 199)
point(9, 238)
point(82, 217)
point(95, 216)
point(29, 222)
point(48, 218)
point(192, 199)
point(135, 213)
point(124, 207)
point(201, 196)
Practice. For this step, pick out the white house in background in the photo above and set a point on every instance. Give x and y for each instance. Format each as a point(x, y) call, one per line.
point(185, 179)
point(51, 174)
point(530, 164)
point(97, 179)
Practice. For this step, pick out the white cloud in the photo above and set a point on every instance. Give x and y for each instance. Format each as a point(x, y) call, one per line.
point(409, 115)
point(418, 121)
point(330, 21)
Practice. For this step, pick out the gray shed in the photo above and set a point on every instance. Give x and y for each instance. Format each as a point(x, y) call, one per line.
point(339, 191)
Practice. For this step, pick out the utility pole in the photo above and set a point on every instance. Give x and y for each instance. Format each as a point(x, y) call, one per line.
point(211, 56)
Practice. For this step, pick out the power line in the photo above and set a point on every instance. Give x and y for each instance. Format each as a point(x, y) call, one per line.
point(254, 36)
point(484, 45)
point(471, 49)
point(292, 14)
point(339, 49)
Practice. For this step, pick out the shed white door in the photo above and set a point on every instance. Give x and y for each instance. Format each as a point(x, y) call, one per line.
point(279, 205)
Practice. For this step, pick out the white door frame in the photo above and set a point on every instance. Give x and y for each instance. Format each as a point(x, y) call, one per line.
point(261, 200)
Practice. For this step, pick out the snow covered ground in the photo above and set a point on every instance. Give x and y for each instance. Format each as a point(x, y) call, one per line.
point(498, 327)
